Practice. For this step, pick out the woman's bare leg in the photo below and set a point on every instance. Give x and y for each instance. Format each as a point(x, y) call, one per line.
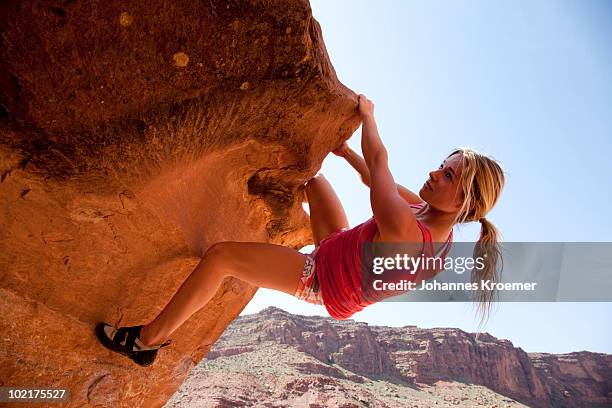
point(326, 212)
point(263, 265)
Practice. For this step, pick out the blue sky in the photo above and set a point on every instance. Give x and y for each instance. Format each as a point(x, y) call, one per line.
point(527, 82)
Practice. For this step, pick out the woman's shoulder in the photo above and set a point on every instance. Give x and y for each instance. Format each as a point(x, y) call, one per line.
point(424, 229)
point(430, 235)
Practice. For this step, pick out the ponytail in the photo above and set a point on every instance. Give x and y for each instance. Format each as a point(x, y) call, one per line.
point(489, 249)
point(482, 182)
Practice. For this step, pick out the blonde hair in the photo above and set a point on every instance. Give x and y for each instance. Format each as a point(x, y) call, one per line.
point(482, 182)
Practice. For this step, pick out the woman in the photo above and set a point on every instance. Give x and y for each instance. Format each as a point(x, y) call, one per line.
point(464, 188)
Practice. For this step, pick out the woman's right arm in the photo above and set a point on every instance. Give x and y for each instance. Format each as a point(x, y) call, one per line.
point(359, 164)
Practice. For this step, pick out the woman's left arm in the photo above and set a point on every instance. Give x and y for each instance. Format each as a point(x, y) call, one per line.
point(394, 218)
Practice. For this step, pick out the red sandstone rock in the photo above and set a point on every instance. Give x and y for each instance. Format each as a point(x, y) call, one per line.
point(133, 135)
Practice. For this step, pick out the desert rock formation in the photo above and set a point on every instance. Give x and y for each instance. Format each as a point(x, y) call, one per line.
point(133, 135)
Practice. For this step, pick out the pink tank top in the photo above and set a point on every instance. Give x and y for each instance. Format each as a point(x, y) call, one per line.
point(338, 266)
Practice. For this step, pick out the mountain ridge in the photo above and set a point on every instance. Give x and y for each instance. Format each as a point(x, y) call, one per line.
point(330, 361)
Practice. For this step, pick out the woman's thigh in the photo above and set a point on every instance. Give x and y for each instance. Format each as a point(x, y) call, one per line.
point(264, 265)
point(326, 212)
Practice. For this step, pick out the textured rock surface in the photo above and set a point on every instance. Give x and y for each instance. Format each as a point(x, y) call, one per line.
point(274, 358)
point(133, 135)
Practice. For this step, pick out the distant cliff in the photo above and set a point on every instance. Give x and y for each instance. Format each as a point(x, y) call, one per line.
point(280, 358)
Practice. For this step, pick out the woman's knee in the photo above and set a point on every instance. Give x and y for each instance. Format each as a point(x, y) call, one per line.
point(317, 179)
point(216, 249)
point(224, 257)
point(217, 253)
point(319, 188)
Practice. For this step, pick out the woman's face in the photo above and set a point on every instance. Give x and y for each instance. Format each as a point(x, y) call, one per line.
point(443, 188)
